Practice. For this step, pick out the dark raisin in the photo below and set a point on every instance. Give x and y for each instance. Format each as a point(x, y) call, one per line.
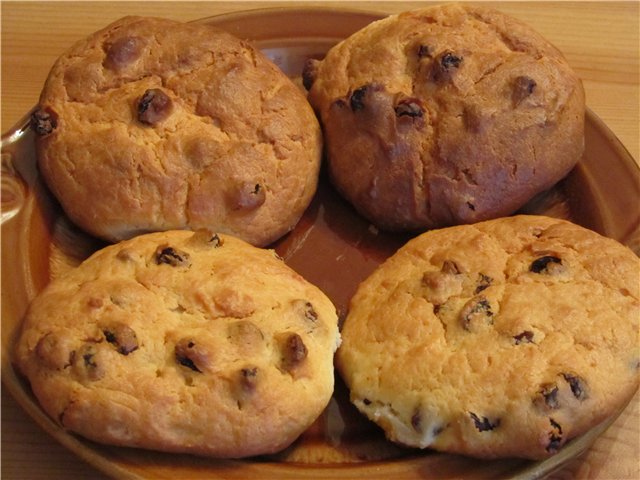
point(483, 424)
point(122, 52)
point(555, 437)
point(522, 88)
point(424, 51)
point(524, 337)
point(549, 393)
point(188, 354)
point(416, 421)
point(541, 264)
point(484, 281)
point(44, 121)
point(310, 313)
point(172, 256)
point(215, 241)
point(366, 401)
point(154, 106)
point(449, 266)
point(357, 98)
point(445, 65)
point(409, 107)
point(248, 196)
point(249, 378)
point(436, 308)
point(85, 364)
point(309, 72)
point(294, 352)
point(471, 206)
point(438, 430)
point(476, 311)
point(122, 337)
point(577, 385)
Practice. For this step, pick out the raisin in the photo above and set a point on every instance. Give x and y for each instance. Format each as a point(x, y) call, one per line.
point(85, 363)
point(248, 196)
point(577, 385)
point(409, 107)
point(475, 312)
point(307, 310)
point(483, 424)
point(44, 121)
point(249, 379)
point(449, 266)
point(154, 106)
point(522, 88)
point(471, 206)
point(366, 401)
point(294, 352)
point(172, 256)
point(416, 421)
point(357, 98)
point(549, 393)
point(524, 337)
point(541, 265)
point(445, 65)
point(424, 51)
point(122, 337)
point(555, 437)
point(484, 281)
point(215, 241)
point(190, 355)
point(309, 72)
point(122, 52)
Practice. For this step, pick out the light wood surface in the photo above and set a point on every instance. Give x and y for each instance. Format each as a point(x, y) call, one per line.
point(599, 39)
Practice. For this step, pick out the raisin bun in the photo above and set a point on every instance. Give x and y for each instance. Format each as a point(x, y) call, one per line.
point(446, 115)
point(182, 342)
point(152, 124)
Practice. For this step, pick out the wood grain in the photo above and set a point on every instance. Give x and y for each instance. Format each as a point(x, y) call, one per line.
point(599, 39)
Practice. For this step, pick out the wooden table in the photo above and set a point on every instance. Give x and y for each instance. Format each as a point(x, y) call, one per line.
point(600, 40)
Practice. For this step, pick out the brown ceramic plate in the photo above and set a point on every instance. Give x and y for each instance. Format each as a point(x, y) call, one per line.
point(331, 246)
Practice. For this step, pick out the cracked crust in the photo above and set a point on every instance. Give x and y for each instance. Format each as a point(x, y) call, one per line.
point(498, 116)
point(162, 125)
point(182, 342)
point(502, 339)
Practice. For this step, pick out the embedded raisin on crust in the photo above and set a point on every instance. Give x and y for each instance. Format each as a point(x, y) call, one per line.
point(122, 337)
point(172, 256)
point(416, 420)
point(248, 196)
point(248, 379)
point(125, 255)
point(409, 107)
point(524, 337)
point(548, 264)
point(123, 52)
point(484, 424)
point(424, 51)
point(577, 385)
point(310, 72)
point(191, 355)
point(207, 237)
point(294, 352)
point(306, 309)
point(356, 100)
point(44, 121)
point(85, 362)
point(554, 436)
point(451, 267)
point(547, 398)
point(476, 313)
point(523, 87)
point(483, 282)
point(154, 106)
point(445, 65)
point(53, 351)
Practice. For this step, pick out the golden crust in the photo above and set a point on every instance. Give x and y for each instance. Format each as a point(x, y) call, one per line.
point(502, 339)
point(446, 115)
point(182, 342)
point(223, 141)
